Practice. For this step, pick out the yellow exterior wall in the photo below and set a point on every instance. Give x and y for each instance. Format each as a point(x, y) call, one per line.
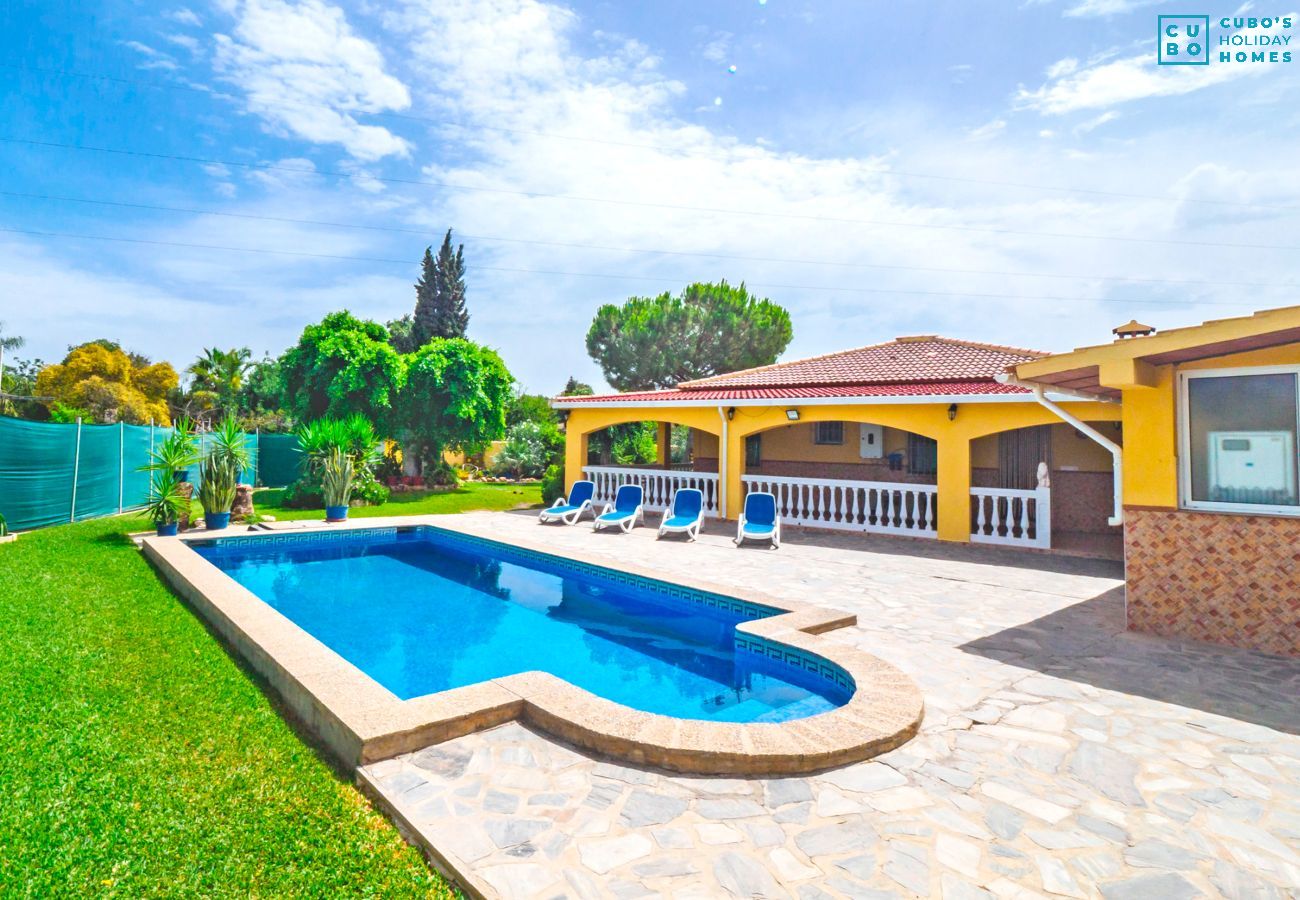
point(973, 421)
point(1151, 427)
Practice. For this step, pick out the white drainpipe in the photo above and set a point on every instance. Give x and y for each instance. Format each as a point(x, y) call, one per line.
point(1116, 451)
point(722, 465)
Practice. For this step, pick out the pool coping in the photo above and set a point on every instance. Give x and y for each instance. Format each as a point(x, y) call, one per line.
point(360, 722)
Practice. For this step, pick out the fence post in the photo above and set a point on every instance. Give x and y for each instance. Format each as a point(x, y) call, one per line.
point(76, 471)
point(121, 464)
point(257, 455)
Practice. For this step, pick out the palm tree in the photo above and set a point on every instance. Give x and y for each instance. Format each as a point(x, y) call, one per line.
point(222, 373)
point(6, 343)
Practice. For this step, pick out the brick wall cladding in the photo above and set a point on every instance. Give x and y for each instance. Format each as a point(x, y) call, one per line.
point(1082, 502)
point(1222, 578)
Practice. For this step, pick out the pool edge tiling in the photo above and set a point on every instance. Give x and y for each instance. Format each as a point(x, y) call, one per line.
point(361, 722)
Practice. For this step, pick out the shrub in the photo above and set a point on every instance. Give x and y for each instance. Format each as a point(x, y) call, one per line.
point(530, 447)
point(553, 482)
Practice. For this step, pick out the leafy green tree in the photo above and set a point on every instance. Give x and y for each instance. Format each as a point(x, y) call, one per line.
point(340, 366)
point(101, 382)
point(440, 310)
point(455, 398)
point(263, 385)
point(530, 408)
point(707, 329)
point(401, 332)
point(575, 388)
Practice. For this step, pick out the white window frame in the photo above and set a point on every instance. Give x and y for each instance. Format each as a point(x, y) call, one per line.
point(1183, 426)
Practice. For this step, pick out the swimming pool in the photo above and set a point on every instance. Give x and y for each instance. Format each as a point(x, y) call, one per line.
point(422, 610)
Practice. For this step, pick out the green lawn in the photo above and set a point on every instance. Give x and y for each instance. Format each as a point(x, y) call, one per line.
point(140, 760)
point(470, 495)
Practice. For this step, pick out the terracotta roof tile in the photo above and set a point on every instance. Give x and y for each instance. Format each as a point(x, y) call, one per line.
point(913, 389)
point(920, 359)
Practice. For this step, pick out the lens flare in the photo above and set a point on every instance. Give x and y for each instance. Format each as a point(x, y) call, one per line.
point(731, 69)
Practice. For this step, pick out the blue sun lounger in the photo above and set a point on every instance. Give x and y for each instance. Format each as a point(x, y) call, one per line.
point(570, 512)
point(759, 521)
point(685, 514)
point(624, 512)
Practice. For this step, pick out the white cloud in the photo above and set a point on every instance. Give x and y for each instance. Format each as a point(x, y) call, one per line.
point(1062, 67)
point(1108, 84)
point(513, 64)
point(1095, 123)
point(184, 40)
point(306, 73)
point(718, 48)
point(988, 130)
point(185, 16)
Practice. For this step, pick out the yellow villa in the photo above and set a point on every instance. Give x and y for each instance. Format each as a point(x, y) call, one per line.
point(1118, 450)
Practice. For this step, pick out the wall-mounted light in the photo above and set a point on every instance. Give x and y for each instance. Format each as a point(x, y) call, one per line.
point(731, 413)
point(792, 415)
point(952, 412)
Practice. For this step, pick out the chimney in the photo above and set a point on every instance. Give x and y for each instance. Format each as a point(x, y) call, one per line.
point(1132, 329)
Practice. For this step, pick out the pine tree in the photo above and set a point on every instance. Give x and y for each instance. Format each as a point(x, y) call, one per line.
point(440, 309)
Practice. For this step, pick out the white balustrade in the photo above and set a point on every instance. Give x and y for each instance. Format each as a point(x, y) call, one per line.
point(657, 484)
point(881, 507)
point(1015, 518)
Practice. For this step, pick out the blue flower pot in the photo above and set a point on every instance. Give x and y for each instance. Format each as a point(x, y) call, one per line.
point(336, 514)
point(181, 475)
point(216, 521)
point(169, 529)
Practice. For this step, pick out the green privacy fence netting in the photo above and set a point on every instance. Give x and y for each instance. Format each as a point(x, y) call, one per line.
point(279, 459)
point(50, 473)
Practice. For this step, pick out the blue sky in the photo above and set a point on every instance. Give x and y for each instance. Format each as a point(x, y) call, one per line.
point(1017, 173)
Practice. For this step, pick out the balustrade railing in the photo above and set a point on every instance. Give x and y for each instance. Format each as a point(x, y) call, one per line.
point(657, 484)
point(1015, 518)
point(880, 507)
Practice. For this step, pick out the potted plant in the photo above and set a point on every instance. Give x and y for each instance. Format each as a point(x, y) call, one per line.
point(217, 492)
point(166, 503)
point(336, 484)
point(5, 535)
point(226, 458)
point(178, 452)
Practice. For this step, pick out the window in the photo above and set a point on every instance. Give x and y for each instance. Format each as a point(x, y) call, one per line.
point(922, 455)
point(753, 451)
point(1238, 434)
point(828, 433)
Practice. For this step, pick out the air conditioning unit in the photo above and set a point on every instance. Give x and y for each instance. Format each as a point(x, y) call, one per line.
point(1253, 467)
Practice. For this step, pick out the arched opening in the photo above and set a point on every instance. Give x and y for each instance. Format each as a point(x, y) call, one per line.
point(1045, 486)
point(660, 455)
point(846, 475)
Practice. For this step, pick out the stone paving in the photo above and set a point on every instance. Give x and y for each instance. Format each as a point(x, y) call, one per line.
point(1060, 756)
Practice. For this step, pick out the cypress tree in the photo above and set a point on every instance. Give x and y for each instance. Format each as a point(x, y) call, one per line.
point(440, 310)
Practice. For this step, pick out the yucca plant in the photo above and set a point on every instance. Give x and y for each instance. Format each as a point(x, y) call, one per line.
point(220, 481)
point(178, 451)
point(336, 478)
point(166, 500)
point(228, 444)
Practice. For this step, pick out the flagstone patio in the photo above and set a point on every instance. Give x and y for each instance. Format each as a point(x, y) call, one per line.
point(1059, 756)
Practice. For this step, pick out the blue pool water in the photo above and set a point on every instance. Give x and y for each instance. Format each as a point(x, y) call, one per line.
point(422, 610)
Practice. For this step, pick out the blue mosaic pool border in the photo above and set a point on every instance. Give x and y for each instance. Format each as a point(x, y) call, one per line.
point(810, 663)
point(296, 538)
